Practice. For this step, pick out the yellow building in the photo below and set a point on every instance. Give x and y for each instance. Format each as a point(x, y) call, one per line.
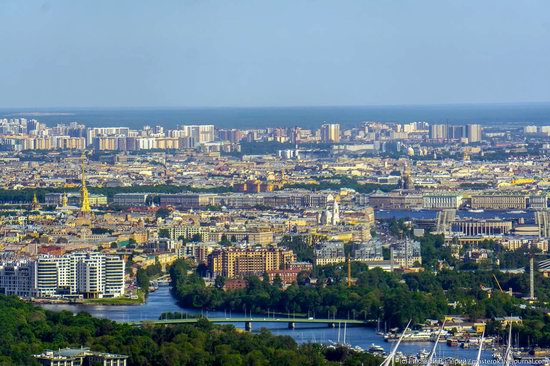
point(236, 262)
point(499, 202)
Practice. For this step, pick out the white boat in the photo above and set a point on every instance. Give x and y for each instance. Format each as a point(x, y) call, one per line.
point(423, 354)
point(374, 348)
point(476, 210)
point(416, 336)
point(516, 212)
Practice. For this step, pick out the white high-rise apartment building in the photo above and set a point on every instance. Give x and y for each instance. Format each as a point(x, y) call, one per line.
point(530, 129)
point(473, 132)
point(330, 132)
point(114, 272)
point(90, 274)
point(199, 133)
point(438, 132)
point(105, 131)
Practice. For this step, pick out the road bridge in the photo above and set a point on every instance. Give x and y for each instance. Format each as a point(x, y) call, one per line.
point(249, 321)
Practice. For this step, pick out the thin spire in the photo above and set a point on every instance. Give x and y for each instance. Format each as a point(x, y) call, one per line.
point(84, 195)
point(35, 204)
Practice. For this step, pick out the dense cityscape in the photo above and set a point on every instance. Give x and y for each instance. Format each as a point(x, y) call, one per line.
point(274, 183)
point(282, 220)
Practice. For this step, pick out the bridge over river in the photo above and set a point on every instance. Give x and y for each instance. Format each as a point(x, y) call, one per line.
point(332, 323)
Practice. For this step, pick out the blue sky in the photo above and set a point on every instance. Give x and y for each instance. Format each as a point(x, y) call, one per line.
point(272, 53)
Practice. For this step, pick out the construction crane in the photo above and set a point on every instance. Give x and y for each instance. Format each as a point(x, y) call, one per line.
point(498, 283)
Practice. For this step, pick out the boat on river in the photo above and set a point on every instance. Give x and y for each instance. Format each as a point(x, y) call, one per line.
point(374, 348)
point(416, 336)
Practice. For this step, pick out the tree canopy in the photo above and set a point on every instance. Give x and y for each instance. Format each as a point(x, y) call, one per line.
point(27, 329)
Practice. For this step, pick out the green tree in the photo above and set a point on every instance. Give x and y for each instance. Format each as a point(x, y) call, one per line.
point(142, 279)
point(163, 213)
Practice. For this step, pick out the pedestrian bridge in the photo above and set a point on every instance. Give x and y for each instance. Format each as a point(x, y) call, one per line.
point(332, 323)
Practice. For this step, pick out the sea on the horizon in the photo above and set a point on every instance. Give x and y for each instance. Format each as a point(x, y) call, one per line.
point(305, 117)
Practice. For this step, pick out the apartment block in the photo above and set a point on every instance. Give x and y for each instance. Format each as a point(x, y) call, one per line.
point(246, 261)
point(84, 274)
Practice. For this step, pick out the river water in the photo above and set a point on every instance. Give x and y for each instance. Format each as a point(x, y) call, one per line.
point(162, 301)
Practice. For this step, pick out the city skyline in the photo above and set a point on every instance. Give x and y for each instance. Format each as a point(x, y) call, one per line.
point(242, 54)
point(290, 182)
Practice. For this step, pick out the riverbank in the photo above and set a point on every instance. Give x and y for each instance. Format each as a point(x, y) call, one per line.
point(139, 299)
point(162, 301)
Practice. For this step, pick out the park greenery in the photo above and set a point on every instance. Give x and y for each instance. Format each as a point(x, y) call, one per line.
point(338, 182)
point(302, 250)
point(393, 298)
point(27, 329)
point(139, 298)
point(26, 194)
point(145, 275)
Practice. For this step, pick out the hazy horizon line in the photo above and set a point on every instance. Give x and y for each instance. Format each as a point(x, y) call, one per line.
point(34, 109)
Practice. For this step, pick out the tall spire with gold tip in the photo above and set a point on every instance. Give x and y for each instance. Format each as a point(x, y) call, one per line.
point(35, 204)
point(85, 208)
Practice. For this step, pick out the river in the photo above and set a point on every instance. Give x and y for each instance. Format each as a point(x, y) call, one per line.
point(162, 301)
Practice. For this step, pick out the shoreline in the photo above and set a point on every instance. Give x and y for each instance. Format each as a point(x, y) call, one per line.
point(117, 301)
point(48, 302)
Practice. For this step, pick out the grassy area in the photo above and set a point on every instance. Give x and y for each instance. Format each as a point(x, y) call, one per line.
point(118, 301)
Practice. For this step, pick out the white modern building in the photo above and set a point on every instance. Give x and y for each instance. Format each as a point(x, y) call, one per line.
point(330, 132)
point(85, 274)
point(198, 133)
point(442, 201)
point(473, 132)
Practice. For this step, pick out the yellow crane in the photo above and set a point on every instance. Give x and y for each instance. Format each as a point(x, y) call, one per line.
point(498, 283)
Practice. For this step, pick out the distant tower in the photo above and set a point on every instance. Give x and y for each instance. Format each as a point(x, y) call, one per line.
point(64, 200)
point(85, 208)
point(35, 204)
point(406, 180)
point(325, 217)
point(335, 217)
